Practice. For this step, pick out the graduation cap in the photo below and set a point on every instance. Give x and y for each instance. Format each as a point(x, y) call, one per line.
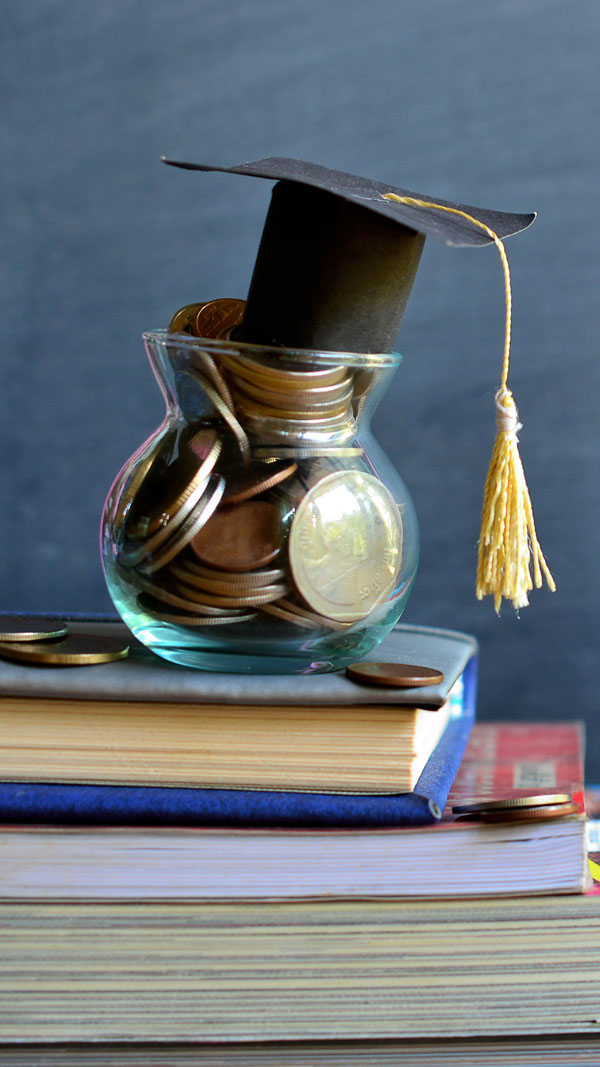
point(337, 258)
point(334, 271)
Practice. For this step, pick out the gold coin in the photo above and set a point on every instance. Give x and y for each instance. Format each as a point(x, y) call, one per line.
point(185, 488)
point(518, 815)
point(218, 317)
point(183, 320)
point(345, 545)
point(75, 650)
point(319, 415)
point(288, 616)
point(168, 596)
point(201, 362)
point(251, 482)
point(235, 580)
point(315, 399)
point(184, 619)
point(188, 529)
point(506, 803)
point(220, 583)
point(270, 453)
point(227, 415)
point(259, 596)
point(293, 377)
point(21, 628)
point(301, 617)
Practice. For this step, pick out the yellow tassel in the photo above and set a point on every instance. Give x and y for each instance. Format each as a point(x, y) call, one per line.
point(508, 538)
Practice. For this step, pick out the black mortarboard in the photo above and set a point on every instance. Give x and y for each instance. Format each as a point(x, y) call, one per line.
point(337, 260)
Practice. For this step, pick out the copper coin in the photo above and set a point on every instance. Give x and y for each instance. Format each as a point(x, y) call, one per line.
point(240, 537)
point(399, 675)
point(20, 628)
point(75, 650)
point(218, 317)
point(509, 803)
point(183, 321)
point(197, 518)
point(251, 483)
point(546, 811)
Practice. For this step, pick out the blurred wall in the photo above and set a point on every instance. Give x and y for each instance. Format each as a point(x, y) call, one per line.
point(492, 104)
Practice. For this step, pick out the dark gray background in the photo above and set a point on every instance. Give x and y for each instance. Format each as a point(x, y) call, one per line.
point(494, 104)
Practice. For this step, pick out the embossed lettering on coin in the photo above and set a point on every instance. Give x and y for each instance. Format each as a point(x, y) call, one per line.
point(345, 545)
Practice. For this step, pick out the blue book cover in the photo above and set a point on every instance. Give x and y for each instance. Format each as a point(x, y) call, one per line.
point(80, 804)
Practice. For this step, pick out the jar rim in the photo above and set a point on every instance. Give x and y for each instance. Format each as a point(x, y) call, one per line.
point(215, 346)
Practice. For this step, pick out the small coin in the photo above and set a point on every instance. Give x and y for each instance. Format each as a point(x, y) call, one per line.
point(512, 815)
point(284, 376)
point(252, 482)
point(222, 586)
point(75, 650)
point(240, 537)
point(243, 600)
point(183, 321)
point(187, 530)
point(345, 545)
point(185, 481)
point(226, 414)
point(171, 598)
point(251, 580)
point(184, 619)
point(218, 317)
point(301, 617)
point(21, 628)
point(312, 451)
point(398, 675)
point(505, 803)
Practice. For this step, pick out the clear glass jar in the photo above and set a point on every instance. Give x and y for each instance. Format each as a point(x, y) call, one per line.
point(261, 528)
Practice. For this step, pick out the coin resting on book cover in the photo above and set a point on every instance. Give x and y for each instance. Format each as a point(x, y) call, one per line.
point(74, 650)
point(21, 628)
point(401, 675)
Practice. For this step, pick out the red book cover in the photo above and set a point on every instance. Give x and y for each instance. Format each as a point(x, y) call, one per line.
point(508, 760)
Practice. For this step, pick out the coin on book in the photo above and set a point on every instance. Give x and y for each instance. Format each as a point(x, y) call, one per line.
point(21, 628)
point(399, 675)
point(535, 814)
point(75, 650)
point(534, 800)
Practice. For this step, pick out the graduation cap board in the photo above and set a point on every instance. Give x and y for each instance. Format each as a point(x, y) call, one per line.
point(334, 271)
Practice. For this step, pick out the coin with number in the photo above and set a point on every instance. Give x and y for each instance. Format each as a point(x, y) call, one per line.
point(20, 628)
point(345, 545)
point(75, 650)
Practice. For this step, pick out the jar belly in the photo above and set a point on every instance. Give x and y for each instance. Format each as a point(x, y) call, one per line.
point(260, 536)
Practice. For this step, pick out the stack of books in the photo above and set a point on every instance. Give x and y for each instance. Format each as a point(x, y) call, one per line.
point(222, 869)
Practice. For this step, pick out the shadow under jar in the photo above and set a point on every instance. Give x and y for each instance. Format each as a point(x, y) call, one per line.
point(261, 528)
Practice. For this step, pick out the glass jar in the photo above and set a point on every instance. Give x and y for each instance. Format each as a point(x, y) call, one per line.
point(261, 528)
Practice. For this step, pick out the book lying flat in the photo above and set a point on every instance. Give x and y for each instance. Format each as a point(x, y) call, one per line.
point(449, 859)
point(297, 971)
point(143, 722)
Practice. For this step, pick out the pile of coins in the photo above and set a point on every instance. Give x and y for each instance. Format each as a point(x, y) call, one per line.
point(263, 505)
point(48, 642)
point(531, 808)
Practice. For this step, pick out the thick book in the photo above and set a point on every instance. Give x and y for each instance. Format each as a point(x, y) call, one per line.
point(112, 734)
point(296, 971)
point(452, 858)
